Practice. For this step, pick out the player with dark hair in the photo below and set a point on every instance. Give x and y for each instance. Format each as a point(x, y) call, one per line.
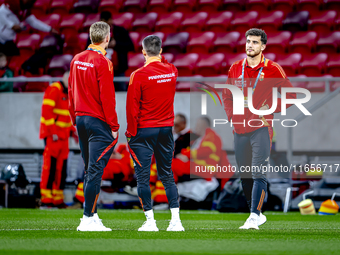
point(92, 107)
point(150, 117)
point(253, 140)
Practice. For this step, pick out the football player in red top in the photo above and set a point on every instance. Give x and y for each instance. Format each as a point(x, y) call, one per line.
point(150, 117)
point(253, 133)
point(92, 107)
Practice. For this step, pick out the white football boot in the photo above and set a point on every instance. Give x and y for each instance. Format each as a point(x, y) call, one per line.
point(251, 222)
point(99, 222)
point(89, 224)
point(148, 225)
point(261, 219)
point(175, 225)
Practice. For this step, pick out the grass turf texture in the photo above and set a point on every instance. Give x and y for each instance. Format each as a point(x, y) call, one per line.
point(24, 231)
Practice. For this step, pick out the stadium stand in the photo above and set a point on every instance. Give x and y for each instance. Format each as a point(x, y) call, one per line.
point(302, 35)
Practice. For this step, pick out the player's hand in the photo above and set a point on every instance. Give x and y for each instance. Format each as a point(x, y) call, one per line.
point(265, 107)
point(115, 134)
point(55, 138)
point(17, 28)
point(54, 31)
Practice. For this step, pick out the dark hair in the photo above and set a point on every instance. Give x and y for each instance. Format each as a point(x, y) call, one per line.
point(152, 44)
point(257, 32)
point(207, 120)
point(183, 118)
point(105, 15)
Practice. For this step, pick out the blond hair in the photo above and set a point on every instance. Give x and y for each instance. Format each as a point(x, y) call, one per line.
point(98, 32)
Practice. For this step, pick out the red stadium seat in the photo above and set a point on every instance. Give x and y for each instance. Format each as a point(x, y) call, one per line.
point(194, 22)
point(271, 22)
point(296, 21)
point(135, 40)
point(169, 57)
point(219, 22)
point(135, 61)
point(290, 63)
point(135, 6)
point(27, 44)
point(299, 84)
point(123, 20)
point(318, 86)
point(328, 43)
point(243, 21)
point(86, 6)
point(144, 22)
point(186, 63)
point(77, 45)
point(90, 19)
point(41, 7)
point(50, 45)
point(270, 55)
point(209, 5)
point(234, 5)
point(241, 45)
point(184, 5)
point(59, 65)
point(169, 22)
point(16, 62)
point(332, 5)
point(159, 6)
point(226, 42)
point(286, 6)
point(201, 42)
point(261, 6)
point(231, 59)
point(71, 24)
point(37, 86)
point(303, 42)
point(112, 6)
point(278, 42)
point(161, 35)
point(210, 64)
point(313, 6)
point(322, 21)
point(314, 64)
point(333, 65)
point(61, 6)
point(176, 43)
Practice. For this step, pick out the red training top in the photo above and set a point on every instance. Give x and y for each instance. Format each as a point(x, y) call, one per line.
point(150, 96)
point(272, 75)
point(91, 90)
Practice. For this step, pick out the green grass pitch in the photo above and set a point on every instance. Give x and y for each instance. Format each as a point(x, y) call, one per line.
point(54, 232)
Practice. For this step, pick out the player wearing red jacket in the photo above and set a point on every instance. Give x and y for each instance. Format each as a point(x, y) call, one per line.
point(55, 129)
point(253, 133)
point(150, 117)
point(92, 107)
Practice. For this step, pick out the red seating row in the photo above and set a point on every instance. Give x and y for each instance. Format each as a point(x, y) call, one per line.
point(71, 24)
point(311, 65)
point(161, 6)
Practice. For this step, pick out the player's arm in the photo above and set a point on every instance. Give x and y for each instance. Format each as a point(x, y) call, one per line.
point(107, 94)
point(37, 24)
point(70, 96)
point(283, 82)
point(132, 104)
point(227, 97)
point(47, 116)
